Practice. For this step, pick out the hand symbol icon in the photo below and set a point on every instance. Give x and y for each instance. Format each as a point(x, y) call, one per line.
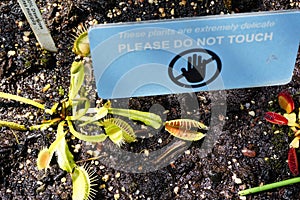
point(196, 69)
point(198, 72)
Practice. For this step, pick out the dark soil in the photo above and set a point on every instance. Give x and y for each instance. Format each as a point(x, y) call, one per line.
point(25, 69)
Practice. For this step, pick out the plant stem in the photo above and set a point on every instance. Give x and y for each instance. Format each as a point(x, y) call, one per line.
point(269, 186)
point(21, 99)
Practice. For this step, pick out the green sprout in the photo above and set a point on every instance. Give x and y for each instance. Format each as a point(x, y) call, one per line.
point(269, 186)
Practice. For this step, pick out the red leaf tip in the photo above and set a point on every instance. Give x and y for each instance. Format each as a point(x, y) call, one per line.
point(286, 101)
point(275, 118)
point(293, 161)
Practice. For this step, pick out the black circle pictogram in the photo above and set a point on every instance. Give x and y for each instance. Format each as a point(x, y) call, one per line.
point(201, 83)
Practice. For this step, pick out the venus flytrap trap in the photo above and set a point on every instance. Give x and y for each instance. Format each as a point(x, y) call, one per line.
point(81, 44)
point(291, 119)
point(181, 128)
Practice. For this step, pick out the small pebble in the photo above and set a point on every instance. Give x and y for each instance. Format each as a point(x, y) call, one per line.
point(105, 178)
point(251, 113)
point(187, 152)
point(176, 190)
point(243, 197)
point(41, 188)
point(21, 166)
point(102, 186)
point(161, 10)
point(20, 24)
point(118, 175)
point(172, 12)
point(102, 167)
point(77, 148)
point(265, 133)
point(146, 152)
point(63, 180)
point(90, 152)
point(247, 105)
point(26, 33)
point(159, 141)
point(25, 38)
point(28, 162)
point(276, 132)
point(116, 196)
point(242, 107)
point(11, 53)
point(236, 179)
point(39, 183)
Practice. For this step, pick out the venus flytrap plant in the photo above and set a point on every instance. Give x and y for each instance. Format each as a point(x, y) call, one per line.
point(76, 108)
point(290, 119)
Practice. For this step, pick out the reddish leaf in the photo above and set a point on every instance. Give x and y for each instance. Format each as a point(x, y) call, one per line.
point(249, 153)
point(293, 161)
point(183, 129)
point(286, 101)
point(276, 118)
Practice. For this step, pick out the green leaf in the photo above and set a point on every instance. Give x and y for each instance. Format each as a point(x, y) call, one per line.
point(150, 119)
point(77, 78)
point(101, 112)
point(21, 99)
point(59, 138)
point(13, 125)
point(53, 109)
point(118, 130)
point(44, 125)
point(80, 113)
point(65, 158)
point(87, 138)
point(46, 154)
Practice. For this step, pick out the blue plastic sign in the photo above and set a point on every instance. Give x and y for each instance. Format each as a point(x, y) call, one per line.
point(194, 54)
